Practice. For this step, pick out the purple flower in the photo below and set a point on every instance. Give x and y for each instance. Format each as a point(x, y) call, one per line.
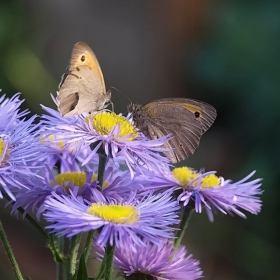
point(19, 146)
point(117, 185)
point(215, 193)
point(79, 183)
point(152, 218)
point(113, 133)
point(161, 262)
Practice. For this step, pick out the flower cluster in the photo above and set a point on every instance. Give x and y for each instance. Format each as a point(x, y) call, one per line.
point(97, 172)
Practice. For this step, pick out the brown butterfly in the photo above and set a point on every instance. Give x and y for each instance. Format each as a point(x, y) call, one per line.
point(82, 88)
point(185, 119)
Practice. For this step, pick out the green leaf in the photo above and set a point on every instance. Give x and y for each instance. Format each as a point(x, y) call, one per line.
point(82, 273)
point(101, 269)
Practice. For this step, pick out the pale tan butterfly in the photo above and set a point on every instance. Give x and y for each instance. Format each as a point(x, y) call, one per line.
point(82, 87)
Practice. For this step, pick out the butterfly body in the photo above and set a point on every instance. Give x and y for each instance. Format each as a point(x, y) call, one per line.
point(82, 88)
point(182, 118)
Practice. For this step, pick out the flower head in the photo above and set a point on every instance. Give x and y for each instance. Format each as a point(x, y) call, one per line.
point(152, 218)
point(151, 261)
point(79, 183)
point(117, 185)
point(19, 148)
point(215, 193)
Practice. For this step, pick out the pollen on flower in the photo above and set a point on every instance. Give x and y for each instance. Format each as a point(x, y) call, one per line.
point(77, 178)
point(118, 214)
point(104, 122)
point(2, 146)
point(210, 181)
point(2, 151)
point(51, 138)
point(105, 185)
point(61, 144)
point(184, 175)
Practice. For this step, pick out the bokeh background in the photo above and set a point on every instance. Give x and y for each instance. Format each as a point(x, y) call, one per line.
point(225, 53)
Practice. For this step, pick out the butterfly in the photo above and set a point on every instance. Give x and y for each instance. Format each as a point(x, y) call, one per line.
point(186, 120)
point(82, 87)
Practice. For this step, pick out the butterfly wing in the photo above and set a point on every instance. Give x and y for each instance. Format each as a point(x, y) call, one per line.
point(203, 112)
point(82, 87)
point(81, 92)
point(185, 119)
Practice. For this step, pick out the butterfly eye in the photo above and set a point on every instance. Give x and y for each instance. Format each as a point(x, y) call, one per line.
point(83, 58)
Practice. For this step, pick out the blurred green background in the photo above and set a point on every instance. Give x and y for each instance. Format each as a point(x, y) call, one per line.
point(225, 53)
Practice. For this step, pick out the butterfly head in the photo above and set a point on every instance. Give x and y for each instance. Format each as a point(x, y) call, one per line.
point(136, 111)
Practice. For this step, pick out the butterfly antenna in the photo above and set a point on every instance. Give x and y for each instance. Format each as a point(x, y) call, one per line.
point(112, 104)
point(121, 94)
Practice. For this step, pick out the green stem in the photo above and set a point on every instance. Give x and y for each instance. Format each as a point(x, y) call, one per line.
point(50, 239)
point(9, 252)
point(88, 245)
point(75, 244)
point(60, 265)
point(101, 167)
point(183, 226)
point(55, 247)
point(109, 256)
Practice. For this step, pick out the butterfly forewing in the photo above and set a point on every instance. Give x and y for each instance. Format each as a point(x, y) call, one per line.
point(202, 111)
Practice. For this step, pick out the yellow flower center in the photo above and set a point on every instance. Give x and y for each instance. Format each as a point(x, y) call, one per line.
point(185, 175)
point(104, 122)
point(77, 178)
point(118, 214)
point(2, 150)
point(210, 181)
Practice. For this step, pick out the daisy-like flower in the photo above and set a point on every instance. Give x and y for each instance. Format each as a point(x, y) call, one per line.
point(149, 261)
point(114, 134)
point(151, 218)
point(79, 183)
point(216, 193)
point(19, 148)
point(116, 186)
